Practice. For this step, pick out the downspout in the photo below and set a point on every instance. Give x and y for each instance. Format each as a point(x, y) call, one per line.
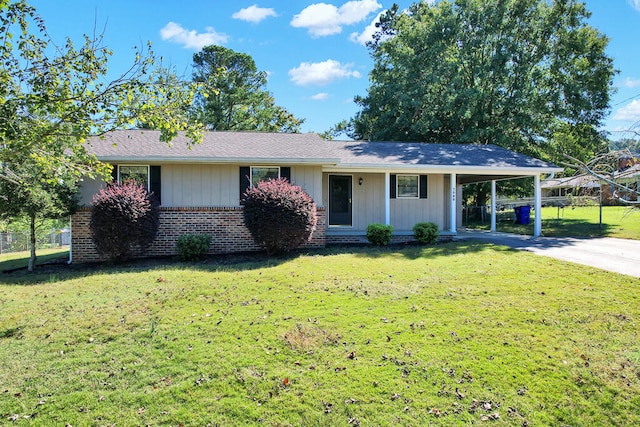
point(70, 240)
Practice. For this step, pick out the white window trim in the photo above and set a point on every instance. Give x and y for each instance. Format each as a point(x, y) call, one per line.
point(398, 196)
point(265, 167)
point(130, 165)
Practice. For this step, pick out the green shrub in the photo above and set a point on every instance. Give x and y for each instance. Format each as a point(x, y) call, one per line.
point(124, 220)
point(379, 234)
point(280, 216)
point(193, 247)
point(426, 233)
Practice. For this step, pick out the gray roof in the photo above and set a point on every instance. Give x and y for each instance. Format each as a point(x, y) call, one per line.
point(292, 148)
point(217, 147)
point(579, 181)
point(415, 153)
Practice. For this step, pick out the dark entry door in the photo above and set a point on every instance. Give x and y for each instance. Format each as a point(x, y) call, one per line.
point(340, 200)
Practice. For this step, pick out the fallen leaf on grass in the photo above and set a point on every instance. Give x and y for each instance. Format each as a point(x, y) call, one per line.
point(490, 417)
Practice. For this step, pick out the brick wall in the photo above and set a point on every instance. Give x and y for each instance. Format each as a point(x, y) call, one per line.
point(347, 239)
point(354, 239)
point(225, 225)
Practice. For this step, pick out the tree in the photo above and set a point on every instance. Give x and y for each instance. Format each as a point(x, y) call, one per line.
point(616, 169)
point(234, 95)
point(527, 75)
point(631, 144)
point(53, 97)
point(43, 198)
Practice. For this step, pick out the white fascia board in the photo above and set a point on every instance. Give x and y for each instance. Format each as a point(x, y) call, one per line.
point(220, 160)
point(426, 169)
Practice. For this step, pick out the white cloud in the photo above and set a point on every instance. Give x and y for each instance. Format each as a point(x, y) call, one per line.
point(254, 14)
point(367, 34)
point(635, 4)
point(322, 19)
point(320, 96)
point(190, 39)
point(629, 82)
point(321, 73)
point(629, 113)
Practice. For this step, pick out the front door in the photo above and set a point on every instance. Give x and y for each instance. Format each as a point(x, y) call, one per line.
point(340, 200)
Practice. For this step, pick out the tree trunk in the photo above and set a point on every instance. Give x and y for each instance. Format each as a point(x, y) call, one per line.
point(32, 258)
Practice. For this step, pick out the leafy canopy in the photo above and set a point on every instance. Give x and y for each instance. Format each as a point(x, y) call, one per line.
point(528, 75)
point(234, 95)
point(52, 97)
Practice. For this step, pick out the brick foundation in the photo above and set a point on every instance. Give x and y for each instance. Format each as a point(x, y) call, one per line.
point(356, 239)
point(225, 225)
point(362, 239)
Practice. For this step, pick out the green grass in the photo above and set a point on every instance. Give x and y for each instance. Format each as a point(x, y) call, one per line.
point(447, 335)
point(617, 221)
point(13, 260)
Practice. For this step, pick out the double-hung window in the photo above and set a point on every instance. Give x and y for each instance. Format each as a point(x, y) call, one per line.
point(137, 173)
point(264, 173)
point(408, 186)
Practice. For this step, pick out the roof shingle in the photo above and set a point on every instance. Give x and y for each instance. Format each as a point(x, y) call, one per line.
point(291, 148)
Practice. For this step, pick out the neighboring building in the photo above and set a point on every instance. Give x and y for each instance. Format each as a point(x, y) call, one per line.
point(353, 183)
point(571, 190)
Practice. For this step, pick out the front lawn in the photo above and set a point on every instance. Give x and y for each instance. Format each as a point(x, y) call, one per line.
point(456, 334)
point(581, 221)
point(16, 260)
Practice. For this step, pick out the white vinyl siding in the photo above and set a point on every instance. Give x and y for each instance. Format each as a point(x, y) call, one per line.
point(217, 185)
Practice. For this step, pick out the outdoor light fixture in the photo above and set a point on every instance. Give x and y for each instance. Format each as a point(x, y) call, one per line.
point(360, 181)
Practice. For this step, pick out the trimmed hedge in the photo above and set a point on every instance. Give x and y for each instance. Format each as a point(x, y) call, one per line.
point(193, 247)
point(379, 234)
point(426, 233)
point(279, 215)
point(124, 219)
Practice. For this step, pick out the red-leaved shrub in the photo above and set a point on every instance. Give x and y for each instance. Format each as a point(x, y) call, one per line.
point(124, 219)
point(279, 215)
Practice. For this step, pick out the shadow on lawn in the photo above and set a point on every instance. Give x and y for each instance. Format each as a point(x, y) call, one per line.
point(574, 228)
point(237, 262)
point(562, 227)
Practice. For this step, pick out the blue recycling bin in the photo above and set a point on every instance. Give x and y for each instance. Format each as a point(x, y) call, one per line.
point(523, 214)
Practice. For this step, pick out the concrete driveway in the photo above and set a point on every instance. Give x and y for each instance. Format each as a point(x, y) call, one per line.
point(616, 255)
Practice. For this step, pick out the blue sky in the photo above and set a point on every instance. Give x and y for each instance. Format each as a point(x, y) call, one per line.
point(313, 51)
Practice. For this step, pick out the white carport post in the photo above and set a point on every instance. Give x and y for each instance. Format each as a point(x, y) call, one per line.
point(387, 198)
point(537, 207)
point(493, 205)
point(452, 203)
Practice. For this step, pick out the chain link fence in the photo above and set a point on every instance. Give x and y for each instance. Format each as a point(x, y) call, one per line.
point(19, 242)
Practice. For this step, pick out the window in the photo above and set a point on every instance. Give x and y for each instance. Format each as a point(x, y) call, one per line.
point(138, 173)
point(263, 173)
point(408, 186)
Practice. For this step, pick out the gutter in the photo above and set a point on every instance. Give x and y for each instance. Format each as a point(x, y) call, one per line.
point(222, 160)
